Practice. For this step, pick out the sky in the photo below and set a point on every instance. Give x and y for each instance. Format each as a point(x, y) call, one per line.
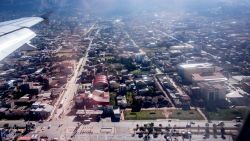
point(119, 7)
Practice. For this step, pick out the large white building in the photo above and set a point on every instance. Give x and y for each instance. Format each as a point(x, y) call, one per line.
point(187, 70)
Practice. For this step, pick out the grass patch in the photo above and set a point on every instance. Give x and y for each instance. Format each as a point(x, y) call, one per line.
point(227, 114)
point(139, 72)
point(185, 115)
point(112, 98)
point(144, 115)
point(129, 97)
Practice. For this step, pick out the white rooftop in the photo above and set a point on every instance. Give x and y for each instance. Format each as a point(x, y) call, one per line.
point(241, 78)
point(194, 65)
point(177, 47)
point(234, 94)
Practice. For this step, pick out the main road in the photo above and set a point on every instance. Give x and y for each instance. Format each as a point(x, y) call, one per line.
point(106, 130)
point(65, 100)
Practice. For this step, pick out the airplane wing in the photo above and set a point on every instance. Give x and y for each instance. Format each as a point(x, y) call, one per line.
point(15, 33)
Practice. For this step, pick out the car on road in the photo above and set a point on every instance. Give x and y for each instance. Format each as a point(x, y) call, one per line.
point(188, 126)
point(167, 138)
point(43, 128)
point(86, 121)
point(140, 135)
point(155, 135)
point(221, 123)
point(232, 107)
point(238, 119)
point(237, 125)
point(147, 137)
point(192, 122)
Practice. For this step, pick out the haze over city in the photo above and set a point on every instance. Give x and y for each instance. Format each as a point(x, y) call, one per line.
point(81, 70)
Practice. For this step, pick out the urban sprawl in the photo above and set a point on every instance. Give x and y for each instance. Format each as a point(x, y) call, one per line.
point(160, 76)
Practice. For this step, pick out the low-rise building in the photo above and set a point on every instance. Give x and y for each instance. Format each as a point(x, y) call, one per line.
point(117, 115)
point(40, 110)
point(100, 82)
point(88, 99)
point(235, 98)
point(100, 97)
point(121, 101)
point(246, 86)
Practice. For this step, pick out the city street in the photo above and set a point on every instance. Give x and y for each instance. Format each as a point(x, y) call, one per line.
point(130, 70)
point(64, 127)
point(65, 102)
point(94, 130)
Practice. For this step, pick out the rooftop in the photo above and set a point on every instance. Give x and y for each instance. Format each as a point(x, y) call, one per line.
point(234, 94)
point(99, 96)
point(100, 79)
point(89, 112)
point(179, 47)
point(195, 65)
point(213, 77)
point(213, 85)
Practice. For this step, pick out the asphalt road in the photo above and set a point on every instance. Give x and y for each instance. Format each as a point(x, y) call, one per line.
point(66, 100)
point(120, 130)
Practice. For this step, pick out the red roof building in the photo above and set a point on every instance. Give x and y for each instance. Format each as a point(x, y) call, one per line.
point(100, 81)
point(100, 97)
point(24, 138)
point(97, 97)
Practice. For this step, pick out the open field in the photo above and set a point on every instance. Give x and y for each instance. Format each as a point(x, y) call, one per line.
point(144, 115)
point(159, 114)
point(227, 114)
point(185, 115)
